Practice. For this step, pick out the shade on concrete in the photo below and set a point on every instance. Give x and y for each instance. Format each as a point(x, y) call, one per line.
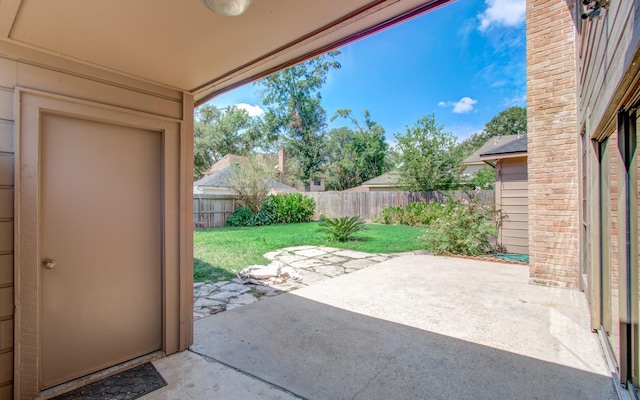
point(416, 327)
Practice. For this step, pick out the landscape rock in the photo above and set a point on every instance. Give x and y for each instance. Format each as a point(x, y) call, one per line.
point(261, 272)
point(291, 268)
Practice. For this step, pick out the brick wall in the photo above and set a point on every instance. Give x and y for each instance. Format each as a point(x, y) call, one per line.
point(553, 150)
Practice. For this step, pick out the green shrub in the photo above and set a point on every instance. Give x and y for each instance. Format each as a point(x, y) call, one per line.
point(391, 215)
point(287, 208)
point(291, 208)
point(415, 214)
point(241, 217)
point(464, 227)
point(343, 228)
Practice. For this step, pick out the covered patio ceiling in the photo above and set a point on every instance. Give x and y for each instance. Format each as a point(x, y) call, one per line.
point(183, 45)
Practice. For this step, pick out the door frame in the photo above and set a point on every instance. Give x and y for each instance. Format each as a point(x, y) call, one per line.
point(177, 277)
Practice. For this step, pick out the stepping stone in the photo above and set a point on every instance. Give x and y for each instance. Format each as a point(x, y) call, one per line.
point(206, 303)
point(290, 258)
point(234, 287)
point(196, 285)
point(242, 300)
point(267, 291)
point(311, 253)
point(224, 296)
point(334, 259)
point(310, 277)
point(380, 258)
point(359, 264)
point(329, 270)
point(352, 254)
point(308, 263)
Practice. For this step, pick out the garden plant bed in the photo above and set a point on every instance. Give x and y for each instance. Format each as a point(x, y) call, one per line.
point(492, 258)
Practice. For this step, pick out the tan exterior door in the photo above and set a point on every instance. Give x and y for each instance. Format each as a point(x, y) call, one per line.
point(101, 222)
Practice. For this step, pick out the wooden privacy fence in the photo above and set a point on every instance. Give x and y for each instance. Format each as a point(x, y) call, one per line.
point(211, 210)
point(369, 204)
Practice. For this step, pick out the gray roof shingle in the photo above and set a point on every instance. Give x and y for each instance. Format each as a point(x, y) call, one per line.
point(517, 146)
point(390, 178)
point(222, 178)
point(489, 145)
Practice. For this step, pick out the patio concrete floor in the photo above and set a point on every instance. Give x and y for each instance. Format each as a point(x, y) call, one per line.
point(412, 327)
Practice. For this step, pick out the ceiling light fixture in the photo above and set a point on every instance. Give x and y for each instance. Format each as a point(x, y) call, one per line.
point(228, 8)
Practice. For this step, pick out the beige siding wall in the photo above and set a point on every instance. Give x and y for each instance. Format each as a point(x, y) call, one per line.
point(7, 83)
point(512, 188)
point(606, 51)
point(552, 143)
point(144, 98)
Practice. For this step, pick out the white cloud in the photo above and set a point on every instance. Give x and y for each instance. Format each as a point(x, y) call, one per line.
point(254, 111)
point(464, 105)
point(502, 13)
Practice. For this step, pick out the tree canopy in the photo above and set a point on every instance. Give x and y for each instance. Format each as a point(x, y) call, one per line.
point(429, 158)
point(355, 156)
point(221, 132)
point(512, 121)
point(295, 116)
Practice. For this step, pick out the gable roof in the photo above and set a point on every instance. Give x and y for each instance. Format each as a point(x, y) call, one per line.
point(390, 178)
point(224, 162)
point(489, 145)
point(222, 179)
point(516, 146)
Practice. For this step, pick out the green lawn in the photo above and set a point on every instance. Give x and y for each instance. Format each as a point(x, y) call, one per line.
point(222, 252)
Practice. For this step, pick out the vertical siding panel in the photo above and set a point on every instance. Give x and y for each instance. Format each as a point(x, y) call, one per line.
point(7, 83)
point(6, 136)
point(6, 269)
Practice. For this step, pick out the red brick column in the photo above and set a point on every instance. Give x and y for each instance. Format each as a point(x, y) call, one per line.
point(553, 146)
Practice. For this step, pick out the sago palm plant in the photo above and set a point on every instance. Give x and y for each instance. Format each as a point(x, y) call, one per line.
point(342, 229)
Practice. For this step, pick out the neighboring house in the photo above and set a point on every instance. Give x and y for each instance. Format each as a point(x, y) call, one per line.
point(474, 163)
point(388, 181)
point(511, 193)
point(219, 182)
point(316, 185)
point(103, 96)
point(583, 92)
point(217, 179)
point(225, 162)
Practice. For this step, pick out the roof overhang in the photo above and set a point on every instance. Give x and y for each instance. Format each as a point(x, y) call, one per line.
point(503, 156)
point(182, 45)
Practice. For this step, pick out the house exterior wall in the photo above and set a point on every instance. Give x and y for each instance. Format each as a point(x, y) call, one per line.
point(512, 201)
point(608, 86)
point(108, 92)
point(7, 84)
point(552, 143)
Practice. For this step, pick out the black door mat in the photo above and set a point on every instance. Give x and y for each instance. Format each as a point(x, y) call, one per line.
point(127, 385)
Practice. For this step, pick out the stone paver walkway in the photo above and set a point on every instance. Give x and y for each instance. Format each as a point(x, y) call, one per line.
point(304, 266)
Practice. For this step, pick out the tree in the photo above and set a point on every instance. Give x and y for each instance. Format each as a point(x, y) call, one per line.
point(512, 121)
point(250, 181)
point(484, 179)
point(221, 132)
point(355, 156)
point(294, 114)
point(429, 157)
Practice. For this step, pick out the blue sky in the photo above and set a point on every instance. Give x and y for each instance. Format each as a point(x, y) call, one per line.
point(464, 62)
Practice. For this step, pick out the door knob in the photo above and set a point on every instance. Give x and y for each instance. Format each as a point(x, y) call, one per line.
point(49, 263)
